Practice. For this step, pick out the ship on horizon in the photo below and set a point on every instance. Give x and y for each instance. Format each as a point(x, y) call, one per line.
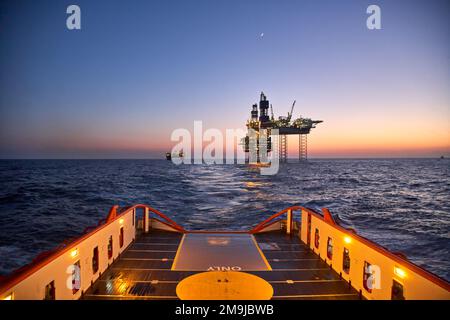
point(169, 155)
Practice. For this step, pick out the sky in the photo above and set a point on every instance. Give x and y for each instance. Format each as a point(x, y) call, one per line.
point(137, 70)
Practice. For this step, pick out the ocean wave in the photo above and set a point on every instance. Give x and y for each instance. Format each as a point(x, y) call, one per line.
point(402, 204)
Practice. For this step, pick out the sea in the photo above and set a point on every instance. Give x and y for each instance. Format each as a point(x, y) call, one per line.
point(402, 204)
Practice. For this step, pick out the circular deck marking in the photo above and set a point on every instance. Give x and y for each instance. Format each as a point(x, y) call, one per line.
point(224, 285)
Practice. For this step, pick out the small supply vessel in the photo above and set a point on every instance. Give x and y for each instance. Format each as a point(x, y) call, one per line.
point(138, 252)
point(169, 155)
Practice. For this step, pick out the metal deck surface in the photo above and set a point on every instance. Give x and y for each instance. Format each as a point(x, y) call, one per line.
point(218, 251)
point(143, 271)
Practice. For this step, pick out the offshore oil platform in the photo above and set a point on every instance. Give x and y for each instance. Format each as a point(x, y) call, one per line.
point(263, 125)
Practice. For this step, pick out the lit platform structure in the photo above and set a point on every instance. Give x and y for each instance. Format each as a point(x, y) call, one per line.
point(285, 125)
point(138, 252)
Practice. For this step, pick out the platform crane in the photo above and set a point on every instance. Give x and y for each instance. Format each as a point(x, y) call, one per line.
point(290, 113)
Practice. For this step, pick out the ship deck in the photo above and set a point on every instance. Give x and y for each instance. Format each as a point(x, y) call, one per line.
point(153, 265)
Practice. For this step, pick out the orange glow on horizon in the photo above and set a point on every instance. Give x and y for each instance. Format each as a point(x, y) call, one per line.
point(391, 136)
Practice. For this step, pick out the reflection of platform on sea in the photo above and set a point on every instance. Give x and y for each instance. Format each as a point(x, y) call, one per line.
point(259, 164)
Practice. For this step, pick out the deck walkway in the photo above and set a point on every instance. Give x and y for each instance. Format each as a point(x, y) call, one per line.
point(143, 271)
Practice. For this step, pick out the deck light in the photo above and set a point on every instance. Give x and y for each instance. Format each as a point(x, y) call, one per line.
point(121, 221)
point(123, 286)
point(400, 272)
point(8, 297)
point(347, 239)
point(74, 253)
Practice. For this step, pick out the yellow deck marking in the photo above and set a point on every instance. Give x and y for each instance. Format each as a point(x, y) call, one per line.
point(178, 253)
point(219, 252)
point(146, 281)
point(224, 285)
point(261, 253)
point(305, 281)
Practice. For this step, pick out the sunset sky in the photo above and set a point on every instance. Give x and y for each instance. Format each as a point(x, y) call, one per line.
point(137, 70)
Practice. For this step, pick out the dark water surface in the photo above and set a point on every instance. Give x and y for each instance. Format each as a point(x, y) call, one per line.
point(402, 204)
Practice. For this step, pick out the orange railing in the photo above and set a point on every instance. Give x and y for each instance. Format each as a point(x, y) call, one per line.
point(114, 220)
point(165, 219)
point(271, 220)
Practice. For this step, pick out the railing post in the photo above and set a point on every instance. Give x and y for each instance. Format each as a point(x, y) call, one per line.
point(146, 220)
point(289, 221)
